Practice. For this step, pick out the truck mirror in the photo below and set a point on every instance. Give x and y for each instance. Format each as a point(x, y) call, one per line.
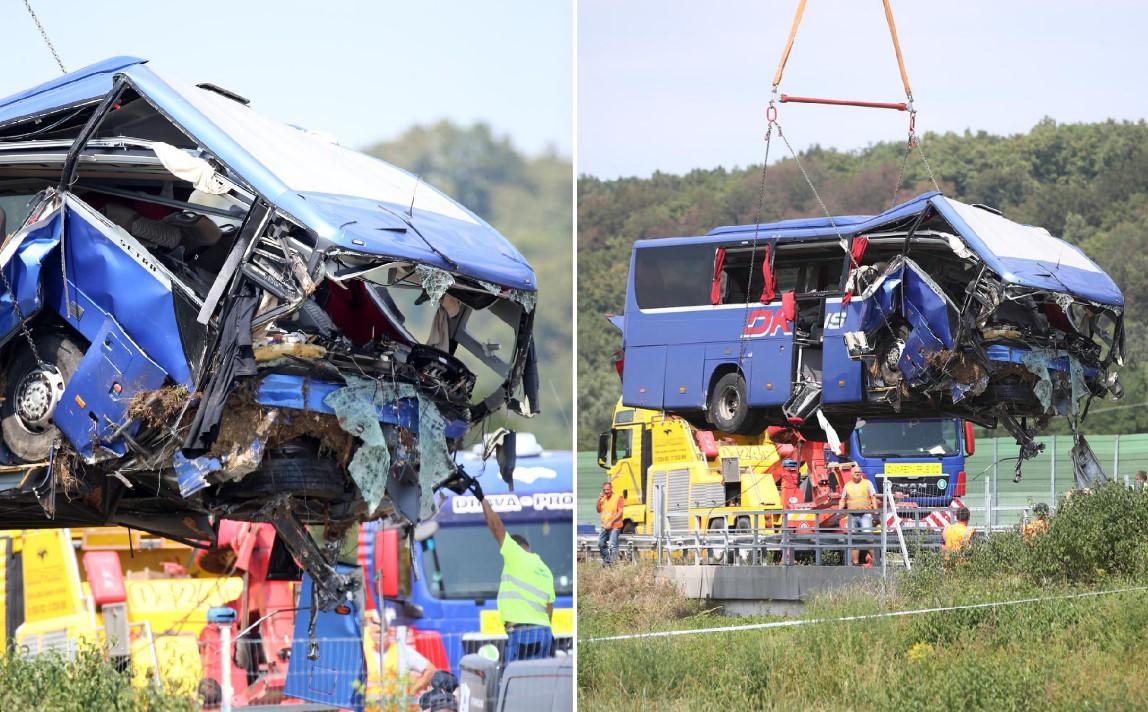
point(387, 562)
point(604, 450)
point(412, 609)
point(970, 438)
point(506, 455)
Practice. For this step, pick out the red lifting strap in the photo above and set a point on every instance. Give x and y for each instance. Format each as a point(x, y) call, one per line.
point(768, 285)
point(898, 105)
point(715, 286)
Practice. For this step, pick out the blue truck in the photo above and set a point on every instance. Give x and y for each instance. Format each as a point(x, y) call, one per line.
point(923, 459)
point(447, 584)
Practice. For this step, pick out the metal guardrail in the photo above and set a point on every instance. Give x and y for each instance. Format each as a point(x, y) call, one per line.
point(789, 537)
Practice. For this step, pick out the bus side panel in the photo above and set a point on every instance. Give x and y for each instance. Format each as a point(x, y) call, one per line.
point(842, 377)
point(643, 376)
point(770, 372)
point(685, 366)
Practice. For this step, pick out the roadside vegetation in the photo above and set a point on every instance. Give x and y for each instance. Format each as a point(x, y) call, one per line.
point(1084, 652)
point(87, 683)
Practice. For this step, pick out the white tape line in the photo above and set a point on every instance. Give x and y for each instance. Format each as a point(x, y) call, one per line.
point(870, 616)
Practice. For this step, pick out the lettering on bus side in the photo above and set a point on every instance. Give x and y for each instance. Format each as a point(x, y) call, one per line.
point(539, 502)
point(766, 322)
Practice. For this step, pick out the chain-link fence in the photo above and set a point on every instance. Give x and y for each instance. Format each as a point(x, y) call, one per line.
point(402, 670)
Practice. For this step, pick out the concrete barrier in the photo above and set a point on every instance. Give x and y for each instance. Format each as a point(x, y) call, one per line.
point(755, 590)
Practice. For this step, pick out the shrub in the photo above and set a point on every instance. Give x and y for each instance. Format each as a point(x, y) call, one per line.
point(1093, 536)
point(85, 682)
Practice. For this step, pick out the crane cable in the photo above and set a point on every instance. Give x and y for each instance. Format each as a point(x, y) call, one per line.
point(44, 34)
point(797, 17)
point(913, 142)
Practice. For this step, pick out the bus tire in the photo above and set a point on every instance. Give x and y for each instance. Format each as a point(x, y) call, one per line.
point(728, 405)
point(23, 392)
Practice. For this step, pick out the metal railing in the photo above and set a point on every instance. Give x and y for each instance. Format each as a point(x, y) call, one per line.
point(791, 537)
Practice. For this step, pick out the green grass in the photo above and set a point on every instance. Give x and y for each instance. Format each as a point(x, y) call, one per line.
point(1056, 654)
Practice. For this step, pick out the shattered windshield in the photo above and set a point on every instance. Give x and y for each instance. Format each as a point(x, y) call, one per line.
point(913, 438)
point(463, 561)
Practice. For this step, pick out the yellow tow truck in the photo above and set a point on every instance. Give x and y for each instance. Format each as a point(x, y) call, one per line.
point(713, 480)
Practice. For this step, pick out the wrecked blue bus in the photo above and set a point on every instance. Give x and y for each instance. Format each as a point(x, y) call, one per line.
point(205, 313)
point(933, 308)
point(446, 586)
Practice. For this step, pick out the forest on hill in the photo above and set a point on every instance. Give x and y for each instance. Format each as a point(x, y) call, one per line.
point(527, 199)
point(1085, 183)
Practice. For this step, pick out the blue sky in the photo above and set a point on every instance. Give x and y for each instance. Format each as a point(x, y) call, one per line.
point(673, 85)
point(363, 71)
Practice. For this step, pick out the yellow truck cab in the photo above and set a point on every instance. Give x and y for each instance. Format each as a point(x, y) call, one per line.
point(710, 479)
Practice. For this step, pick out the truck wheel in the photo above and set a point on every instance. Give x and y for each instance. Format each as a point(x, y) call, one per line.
point(628, 526)
point(31, 393)
point(728, 406)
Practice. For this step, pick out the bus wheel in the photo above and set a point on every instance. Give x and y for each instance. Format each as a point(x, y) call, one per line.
point(728, 405)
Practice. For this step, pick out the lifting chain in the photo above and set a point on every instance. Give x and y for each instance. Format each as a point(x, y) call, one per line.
point(20, 314)
point(44, 34)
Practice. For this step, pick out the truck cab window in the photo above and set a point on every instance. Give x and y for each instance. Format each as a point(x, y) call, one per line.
point(623, 444)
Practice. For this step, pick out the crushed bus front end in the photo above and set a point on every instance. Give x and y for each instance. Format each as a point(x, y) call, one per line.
point(206, 314)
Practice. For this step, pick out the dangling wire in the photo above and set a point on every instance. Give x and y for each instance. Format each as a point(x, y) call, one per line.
point(44, 34)
point(771, 121)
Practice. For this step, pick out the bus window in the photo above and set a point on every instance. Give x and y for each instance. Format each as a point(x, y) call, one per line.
point(741, 275)
point(677, 276)
point(809, 268)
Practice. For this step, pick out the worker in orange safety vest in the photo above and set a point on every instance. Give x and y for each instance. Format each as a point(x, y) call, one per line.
point(610, 512)
point(958, 534)
point(860, 498)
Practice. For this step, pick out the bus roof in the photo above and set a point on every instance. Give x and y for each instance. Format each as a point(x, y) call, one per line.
point(1021, 254)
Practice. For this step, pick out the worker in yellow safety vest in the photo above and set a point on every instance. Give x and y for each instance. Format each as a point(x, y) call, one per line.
point(860, 498)
point(957, 534)
point(526, 589)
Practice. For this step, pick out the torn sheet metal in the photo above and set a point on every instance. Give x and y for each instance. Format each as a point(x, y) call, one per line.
point(1086, 467)
point(192, 473)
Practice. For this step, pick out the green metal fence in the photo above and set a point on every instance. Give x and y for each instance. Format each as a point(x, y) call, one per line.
point(1045, 478)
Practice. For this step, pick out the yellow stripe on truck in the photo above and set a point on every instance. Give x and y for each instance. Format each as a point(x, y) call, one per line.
point(913, 468)
point(561, 623)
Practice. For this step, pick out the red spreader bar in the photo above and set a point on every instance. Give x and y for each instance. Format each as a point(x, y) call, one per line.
point(897, 105)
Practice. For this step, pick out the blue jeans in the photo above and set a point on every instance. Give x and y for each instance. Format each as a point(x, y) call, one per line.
point(528, 642)
point(608, 545)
